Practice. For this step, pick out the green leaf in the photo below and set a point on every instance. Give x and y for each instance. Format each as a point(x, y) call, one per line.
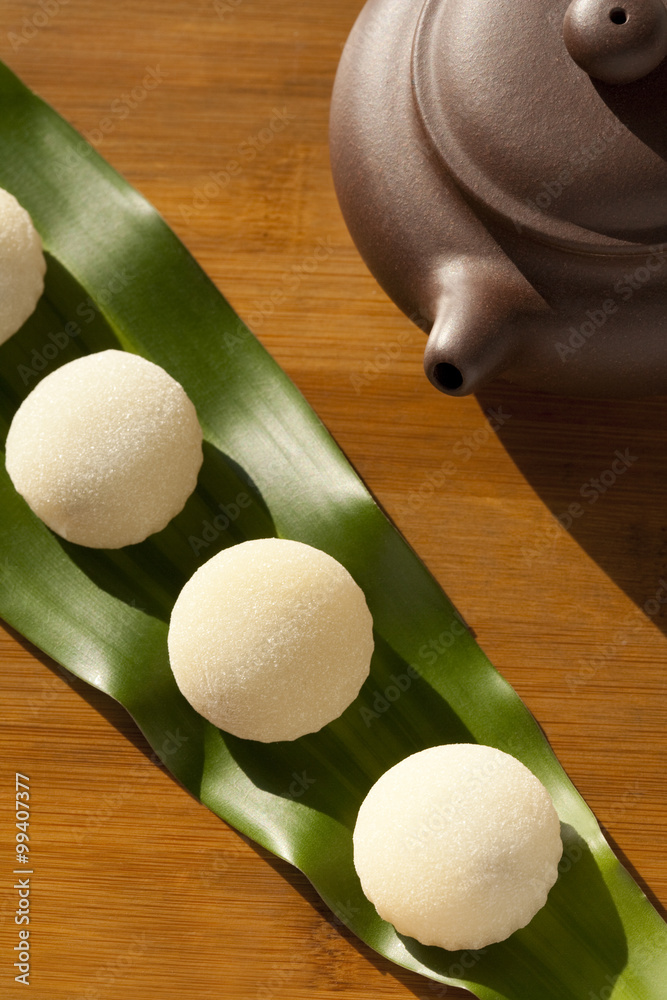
point(117, 276)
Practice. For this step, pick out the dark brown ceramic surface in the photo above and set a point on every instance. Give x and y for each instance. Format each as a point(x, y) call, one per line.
point(512, 204)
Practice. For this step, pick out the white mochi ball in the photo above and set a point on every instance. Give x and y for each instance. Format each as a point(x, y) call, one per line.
point(457, 846)
point(271, 639)
point(105, 450)
point(22, 266)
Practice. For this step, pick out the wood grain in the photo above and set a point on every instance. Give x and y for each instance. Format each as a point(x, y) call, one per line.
point(138, 890)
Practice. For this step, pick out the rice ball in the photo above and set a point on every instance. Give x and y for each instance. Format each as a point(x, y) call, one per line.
point(457, 846)
point(106, 450)
point(271, 639)
point(22, 266)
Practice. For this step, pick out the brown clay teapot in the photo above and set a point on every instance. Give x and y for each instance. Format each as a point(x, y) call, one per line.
point(501, 167)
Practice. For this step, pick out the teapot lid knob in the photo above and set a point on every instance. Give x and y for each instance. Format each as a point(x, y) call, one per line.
point(616, 42)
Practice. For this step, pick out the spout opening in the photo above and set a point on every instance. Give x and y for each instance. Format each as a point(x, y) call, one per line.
point(447, 376)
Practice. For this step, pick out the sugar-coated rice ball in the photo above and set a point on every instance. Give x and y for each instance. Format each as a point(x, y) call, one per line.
point(106, 449)
point(271, 639)
point(457, 846)
point(22, 266)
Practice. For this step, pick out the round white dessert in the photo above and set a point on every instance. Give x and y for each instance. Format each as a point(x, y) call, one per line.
point(22, 266)
point(457, 846)
point(271, 639)
point(106, 450)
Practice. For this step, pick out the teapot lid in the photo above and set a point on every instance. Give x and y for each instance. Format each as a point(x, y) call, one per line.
point(530, 135)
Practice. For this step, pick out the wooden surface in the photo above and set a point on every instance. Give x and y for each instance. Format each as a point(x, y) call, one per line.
point(138, 890)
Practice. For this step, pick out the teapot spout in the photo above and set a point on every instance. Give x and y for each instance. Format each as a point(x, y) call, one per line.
point(474, 337)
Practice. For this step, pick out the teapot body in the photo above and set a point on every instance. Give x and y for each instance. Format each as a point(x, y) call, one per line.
point(511, 205)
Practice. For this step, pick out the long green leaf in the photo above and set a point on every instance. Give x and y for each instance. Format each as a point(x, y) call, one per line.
point(117, 276)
